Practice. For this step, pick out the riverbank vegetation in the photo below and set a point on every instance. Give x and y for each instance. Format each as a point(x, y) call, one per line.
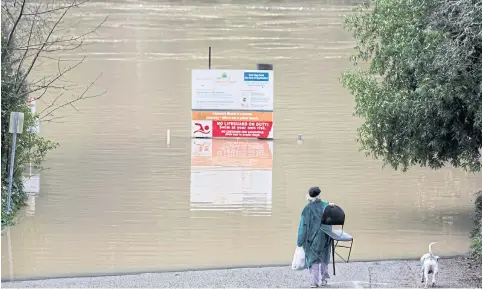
point(417, 84)
point(34, 34)
point(477, 231)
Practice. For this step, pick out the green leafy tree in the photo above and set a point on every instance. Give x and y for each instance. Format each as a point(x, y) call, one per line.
point(417, 85)
point(417, 81)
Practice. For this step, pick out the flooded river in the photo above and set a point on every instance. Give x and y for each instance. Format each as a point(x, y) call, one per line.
point(116, 198)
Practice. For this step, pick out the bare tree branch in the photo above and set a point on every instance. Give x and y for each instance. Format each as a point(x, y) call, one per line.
point(40, 32)
point(58, 41)
point(17, 74)
point(40, 50)
point(49, 84)
point(7, 12)
point(52, 104)
point(12, 31)
point(71, 102)
point(56, 9)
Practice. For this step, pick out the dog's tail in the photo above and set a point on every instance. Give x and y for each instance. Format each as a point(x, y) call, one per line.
point(430, 248)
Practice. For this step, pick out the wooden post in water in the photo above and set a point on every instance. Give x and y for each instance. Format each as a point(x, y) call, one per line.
point(209, 57)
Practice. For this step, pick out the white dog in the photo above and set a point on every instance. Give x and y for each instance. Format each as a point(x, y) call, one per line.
point(429, 265)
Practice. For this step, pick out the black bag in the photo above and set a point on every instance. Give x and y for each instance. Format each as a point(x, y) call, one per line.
point(333, 215)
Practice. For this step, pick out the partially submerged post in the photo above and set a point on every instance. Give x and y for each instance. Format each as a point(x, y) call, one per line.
point(15, 126)
point(32, 182)
point(209, 57)
point(264, 66)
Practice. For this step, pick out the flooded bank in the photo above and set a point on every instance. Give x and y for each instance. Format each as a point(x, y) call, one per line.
point(118, 199)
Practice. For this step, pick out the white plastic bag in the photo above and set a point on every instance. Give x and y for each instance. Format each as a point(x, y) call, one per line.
point(298, 259)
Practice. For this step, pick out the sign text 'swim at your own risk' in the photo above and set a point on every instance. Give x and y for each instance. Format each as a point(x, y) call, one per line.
point(254, 129)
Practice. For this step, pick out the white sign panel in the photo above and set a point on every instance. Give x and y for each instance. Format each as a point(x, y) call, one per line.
point(232, 104)
point(232, 90)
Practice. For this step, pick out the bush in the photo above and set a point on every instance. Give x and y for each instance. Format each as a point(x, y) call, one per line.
point(31, 148)
point(34, 30)
point(19, 197)
point(477, 231)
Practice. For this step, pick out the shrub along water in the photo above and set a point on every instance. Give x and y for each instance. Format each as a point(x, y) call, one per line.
point(31, 148)
point(28, 29)
point(419, 90)
point(477, 231)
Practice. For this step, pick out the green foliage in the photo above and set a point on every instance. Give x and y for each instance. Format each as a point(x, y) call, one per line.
point(477, 231)
point(417, 81)
point(19, 197)
point(31, 148)
point(33, 33)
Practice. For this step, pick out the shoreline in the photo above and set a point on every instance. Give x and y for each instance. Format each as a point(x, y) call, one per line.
point(456, 272)
point(131, 273)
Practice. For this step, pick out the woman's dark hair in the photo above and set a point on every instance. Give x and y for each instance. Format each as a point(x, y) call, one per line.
point(314, 192)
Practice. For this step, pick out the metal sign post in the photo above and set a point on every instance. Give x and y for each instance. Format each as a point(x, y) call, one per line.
point(16, 126)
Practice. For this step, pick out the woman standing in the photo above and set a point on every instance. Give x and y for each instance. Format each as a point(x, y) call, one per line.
point(315, 243)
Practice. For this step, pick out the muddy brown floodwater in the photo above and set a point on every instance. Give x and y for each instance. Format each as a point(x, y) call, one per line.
point(118, 199)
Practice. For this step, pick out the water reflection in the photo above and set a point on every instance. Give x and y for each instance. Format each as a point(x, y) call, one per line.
point(31, 185)
point(232, 175)
point(30, 208)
